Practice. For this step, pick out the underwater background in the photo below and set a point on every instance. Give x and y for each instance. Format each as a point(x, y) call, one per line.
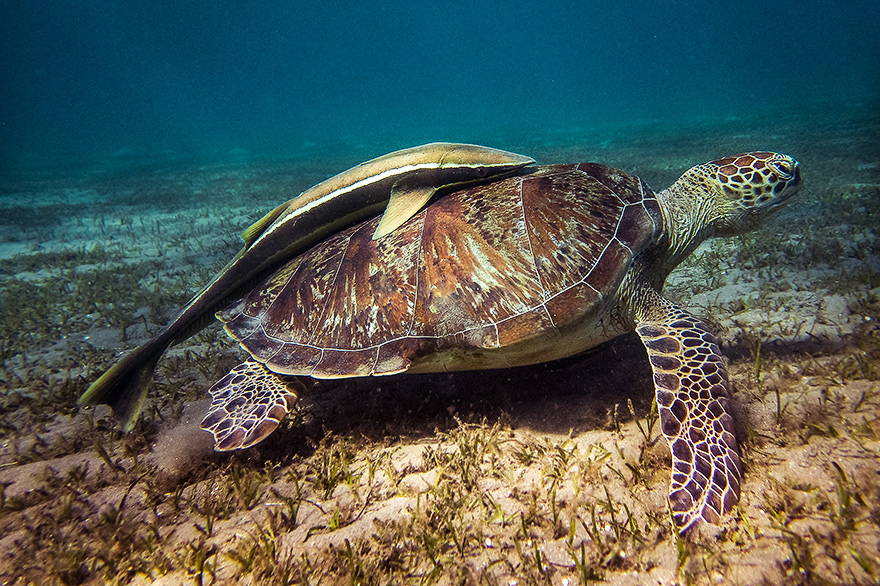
point(88, 81)
point(138, 140)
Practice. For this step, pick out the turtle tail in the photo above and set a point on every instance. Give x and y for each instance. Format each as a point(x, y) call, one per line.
point(124, 386)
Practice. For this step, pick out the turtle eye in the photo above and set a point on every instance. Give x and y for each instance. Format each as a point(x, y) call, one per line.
point(784, 168)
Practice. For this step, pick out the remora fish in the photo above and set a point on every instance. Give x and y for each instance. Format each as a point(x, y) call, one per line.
point(403, 181)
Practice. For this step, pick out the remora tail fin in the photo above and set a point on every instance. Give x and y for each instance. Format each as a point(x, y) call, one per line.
point(124, 385)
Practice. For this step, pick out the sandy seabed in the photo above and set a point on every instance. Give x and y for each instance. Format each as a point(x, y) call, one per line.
point(552, 474)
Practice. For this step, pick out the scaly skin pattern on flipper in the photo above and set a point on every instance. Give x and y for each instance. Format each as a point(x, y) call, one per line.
point(690, 379)
point(246, 406)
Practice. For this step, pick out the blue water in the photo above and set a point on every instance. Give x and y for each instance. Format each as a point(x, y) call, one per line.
point(90, 80)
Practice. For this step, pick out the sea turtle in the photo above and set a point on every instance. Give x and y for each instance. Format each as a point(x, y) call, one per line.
point(535, 267)
point(531, 268)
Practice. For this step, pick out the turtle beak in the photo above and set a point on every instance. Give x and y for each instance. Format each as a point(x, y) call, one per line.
point(792, 182)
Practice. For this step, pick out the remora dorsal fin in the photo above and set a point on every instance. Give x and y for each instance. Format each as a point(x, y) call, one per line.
point(252, 232)
point(405, 202)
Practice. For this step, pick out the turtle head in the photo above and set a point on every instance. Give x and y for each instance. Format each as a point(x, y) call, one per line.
point(725, 197)
point(745, 189)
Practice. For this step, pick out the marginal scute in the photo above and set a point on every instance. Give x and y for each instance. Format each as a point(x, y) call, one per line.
point(650, 331)
point(480, 337)
point(653, 208)
point(234, 310)
point(262, 346)
point(523, 326)
point(240, 326)
point(571, 303)
point(350, 362)
point(397, 355)
point(295, 359)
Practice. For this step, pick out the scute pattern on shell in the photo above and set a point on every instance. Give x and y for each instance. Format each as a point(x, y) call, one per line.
point(480, 268)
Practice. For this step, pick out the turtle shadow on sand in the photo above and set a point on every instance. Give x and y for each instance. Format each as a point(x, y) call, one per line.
point(561, 397)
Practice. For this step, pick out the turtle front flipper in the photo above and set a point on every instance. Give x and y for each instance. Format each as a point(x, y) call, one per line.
point(246, 406)
point(690, 380)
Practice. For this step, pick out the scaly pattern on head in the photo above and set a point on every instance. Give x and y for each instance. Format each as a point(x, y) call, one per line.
point(750, 187)
point(725, 197)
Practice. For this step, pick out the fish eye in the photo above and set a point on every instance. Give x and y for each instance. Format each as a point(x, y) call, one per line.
point(482, 172)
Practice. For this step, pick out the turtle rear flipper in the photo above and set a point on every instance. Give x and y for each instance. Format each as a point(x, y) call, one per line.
point(690, 380)
point(246, 406)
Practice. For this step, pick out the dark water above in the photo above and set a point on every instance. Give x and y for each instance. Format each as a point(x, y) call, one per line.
point(93, 81)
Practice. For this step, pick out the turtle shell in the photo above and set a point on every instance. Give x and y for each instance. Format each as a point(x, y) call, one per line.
point(503, 274)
